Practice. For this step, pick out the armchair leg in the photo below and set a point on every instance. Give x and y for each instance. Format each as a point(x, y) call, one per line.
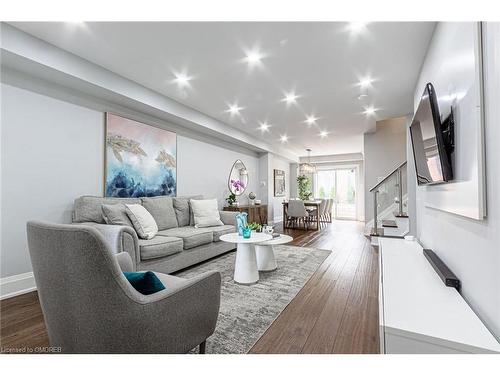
point(203, 347)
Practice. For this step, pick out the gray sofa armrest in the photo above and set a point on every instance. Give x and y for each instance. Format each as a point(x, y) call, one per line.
point(190, 310)
point(228, 217)
point(119, 238)
point(125, 262)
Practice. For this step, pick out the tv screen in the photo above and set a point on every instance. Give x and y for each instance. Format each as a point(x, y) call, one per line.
point(430, 141)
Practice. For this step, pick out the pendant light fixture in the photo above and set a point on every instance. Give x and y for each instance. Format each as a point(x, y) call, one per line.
point(307, 168)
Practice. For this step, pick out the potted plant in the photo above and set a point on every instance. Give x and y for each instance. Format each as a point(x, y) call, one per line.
point(304, 185)
point(255, 227)
point(231, 199)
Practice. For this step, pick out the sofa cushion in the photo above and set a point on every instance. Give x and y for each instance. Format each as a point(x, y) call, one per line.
point(221, 230)
point(88, 208)
point(206, 213)
point(144, 223)
point(162, 210)
point(159, 247)
point(183, 210)
point(115, 214)
point(191, 236)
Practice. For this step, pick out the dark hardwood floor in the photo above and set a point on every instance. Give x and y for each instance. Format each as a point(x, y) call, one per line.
point(335, 312)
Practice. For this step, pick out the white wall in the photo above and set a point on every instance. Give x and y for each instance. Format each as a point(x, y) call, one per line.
point(203, 168)
point(53, 151)
point(471, 248)
point(277, 202)
point(383, 151)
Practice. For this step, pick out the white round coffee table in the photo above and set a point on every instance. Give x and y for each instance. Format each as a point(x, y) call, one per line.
point(265, 252)
point(245, 267)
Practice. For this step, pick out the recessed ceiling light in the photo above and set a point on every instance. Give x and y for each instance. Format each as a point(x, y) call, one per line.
point(365, 82)
point(264, 126)
point(369, 111)
point(311, 120)
point(356, 27)
point(182, 79)
point(323, 133)
point(284, 138)
point(254, 57)
point(234, 109)
point(290, 98)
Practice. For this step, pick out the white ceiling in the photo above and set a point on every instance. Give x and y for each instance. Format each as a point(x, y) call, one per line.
point(321, 62)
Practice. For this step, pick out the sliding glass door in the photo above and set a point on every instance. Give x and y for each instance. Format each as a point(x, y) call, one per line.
point(339, 185)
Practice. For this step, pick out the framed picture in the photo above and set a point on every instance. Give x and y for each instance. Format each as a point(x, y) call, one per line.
point(140, 160)
point(279, 183)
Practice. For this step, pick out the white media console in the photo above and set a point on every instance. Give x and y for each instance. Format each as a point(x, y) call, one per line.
point(418, 313)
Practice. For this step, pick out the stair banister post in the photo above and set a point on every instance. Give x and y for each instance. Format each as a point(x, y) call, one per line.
point(375, 209)
point(400, 192)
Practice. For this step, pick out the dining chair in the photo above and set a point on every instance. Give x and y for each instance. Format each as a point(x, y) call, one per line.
point(319, 212)
point(328, 210)
point(297, 212)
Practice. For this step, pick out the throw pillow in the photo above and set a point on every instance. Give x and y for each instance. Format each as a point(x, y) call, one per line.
point(144, 282)
point(183, 210)
point(206, 213)
point(162, 210)
point(115, 214)
point(144, 224)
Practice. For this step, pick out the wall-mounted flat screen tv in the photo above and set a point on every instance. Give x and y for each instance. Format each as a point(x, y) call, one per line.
point(432, 141)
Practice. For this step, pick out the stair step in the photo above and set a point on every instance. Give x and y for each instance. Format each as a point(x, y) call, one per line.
point(389, 223)
point(396, 214)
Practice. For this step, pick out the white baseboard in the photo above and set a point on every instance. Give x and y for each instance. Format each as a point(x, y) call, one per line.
point(18, 284)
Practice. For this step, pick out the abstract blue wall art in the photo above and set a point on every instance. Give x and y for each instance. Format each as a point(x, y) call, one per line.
point(141, 160)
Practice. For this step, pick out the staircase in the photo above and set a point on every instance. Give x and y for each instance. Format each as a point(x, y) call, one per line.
point(390, 207)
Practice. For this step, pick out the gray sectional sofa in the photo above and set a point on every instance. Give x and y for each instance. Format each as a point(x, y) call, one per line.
point(178, 243)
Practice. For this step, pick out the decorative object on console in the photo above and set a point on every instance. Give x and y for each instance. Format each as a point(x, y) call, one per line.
point(304, 187)
point(279, 183)
point(252, 197)
point(140, 160)
point(241, 222)
point(231, 199)
point(258, 201)
point(238, 178)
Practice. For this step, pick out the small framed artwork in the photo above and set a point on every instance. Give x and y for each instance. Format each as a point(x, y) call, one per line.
point(279, 183)
point(140, 160)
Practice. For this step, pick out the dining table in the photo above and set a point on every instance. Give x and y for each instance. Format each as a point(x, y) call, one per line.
point(310, 206)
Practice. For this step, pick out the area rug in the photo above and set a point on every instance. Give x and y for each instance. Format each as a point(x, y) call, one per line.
point(246, 311)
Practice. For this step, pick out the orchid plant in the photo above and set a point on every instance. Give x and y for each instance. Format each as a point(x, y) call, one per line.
point(238, 185)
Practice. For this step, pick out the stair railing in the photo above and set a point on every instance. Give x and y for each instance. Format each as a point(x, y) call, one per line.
point(389, 190)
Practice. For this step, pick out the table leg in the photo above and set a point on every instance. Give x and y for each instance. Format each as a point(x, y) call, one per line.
point(265, 258)
point(245, 268)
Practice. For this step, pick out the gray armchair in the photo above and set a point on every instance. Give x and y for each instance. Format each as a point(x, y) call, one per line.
point(90, 307)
